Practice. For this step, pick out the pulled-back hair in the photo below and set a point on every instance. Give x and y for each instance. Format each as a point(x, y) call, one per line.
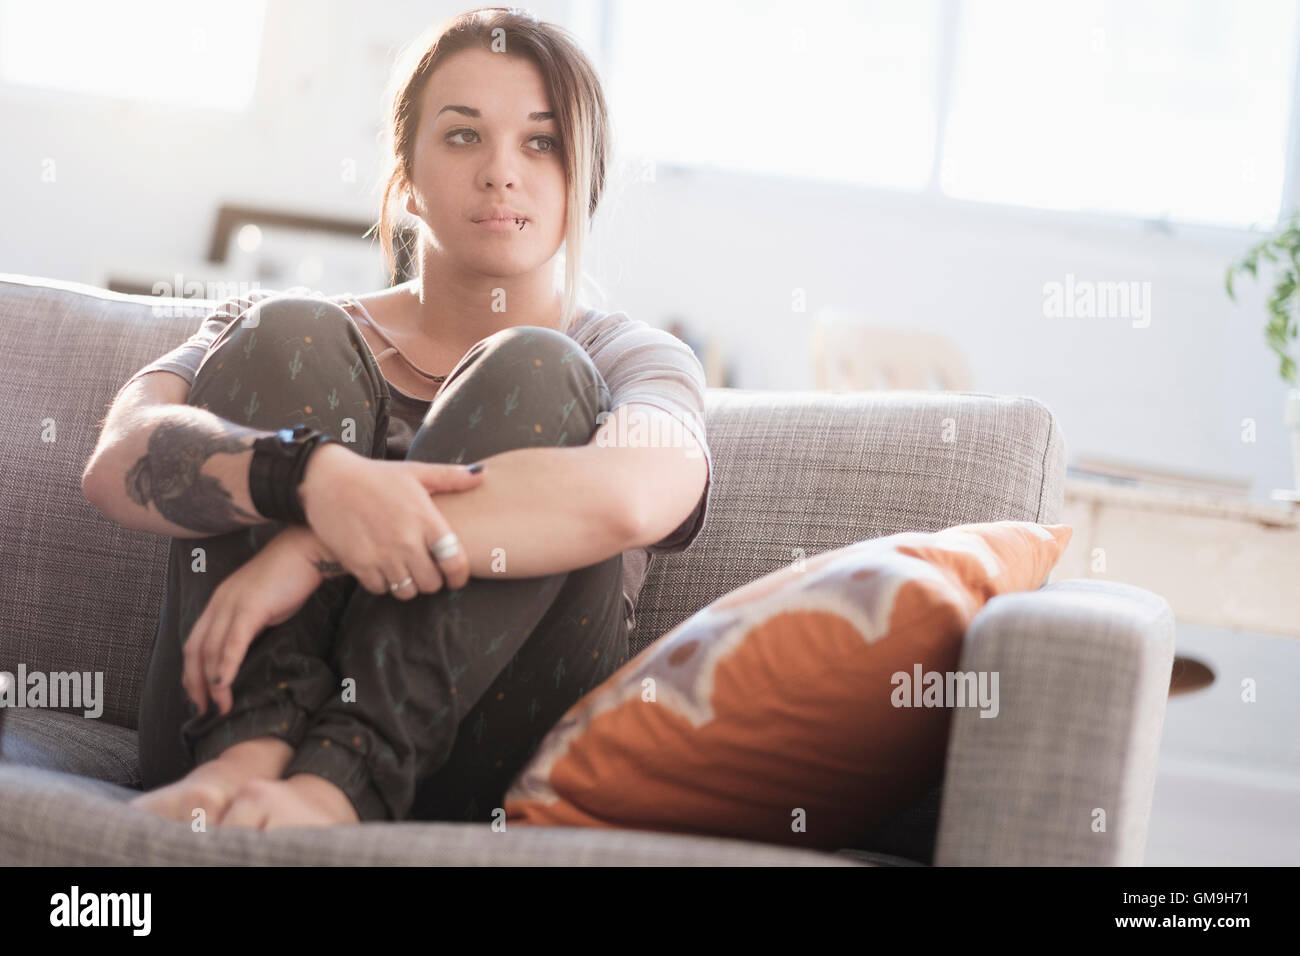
point(577, 101)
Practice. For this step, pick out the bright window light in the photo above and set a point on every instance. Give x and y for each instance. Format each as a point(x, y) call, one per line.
point(1155, 108)
point(836, 90)
point(194, 54)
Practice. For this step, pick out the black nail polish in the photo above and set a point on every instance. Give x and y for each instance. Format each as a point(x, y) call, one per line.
point(475, 468)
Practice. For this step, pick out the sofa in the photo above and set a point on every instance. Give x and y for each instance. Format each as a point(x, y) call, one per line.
point(1086, 663)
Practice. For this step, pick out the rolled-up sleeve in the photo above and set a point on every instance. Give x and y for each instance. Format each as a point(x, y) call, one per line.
point(185, 359)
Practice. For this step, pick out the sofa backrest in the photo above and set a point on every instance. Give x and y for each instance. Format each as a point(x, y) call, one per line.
point(795, 473)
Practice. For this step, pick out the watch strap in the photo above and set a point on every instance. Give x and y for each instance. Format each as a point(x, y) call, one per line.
point(277, 468)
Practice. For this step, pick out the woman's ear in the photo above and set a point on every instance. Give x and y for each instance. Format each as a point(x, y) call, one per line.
point(410, 204)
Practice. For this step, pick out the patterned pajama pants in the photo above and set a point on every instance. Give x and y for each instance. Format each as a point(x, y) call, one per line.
point(451, 692)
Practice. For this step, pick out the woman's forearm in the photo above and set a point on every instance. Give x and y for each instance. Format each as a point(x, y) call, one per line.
point(537, 511)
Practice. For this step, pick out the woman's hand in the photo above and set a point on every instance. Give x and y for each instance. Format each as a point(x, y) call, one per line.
point(266, 590)
point(378, 518)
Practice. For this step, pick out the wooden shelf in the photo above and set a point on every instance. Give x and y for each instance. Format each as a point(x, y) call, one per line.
point(1221, 560)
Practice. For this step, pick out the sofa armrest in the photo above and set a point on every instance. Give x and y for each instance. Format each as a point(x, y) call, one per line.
point(1084, 671)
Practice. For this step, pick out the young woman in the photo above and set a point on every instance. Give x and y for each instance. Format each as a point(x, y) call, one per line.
point(328, 675)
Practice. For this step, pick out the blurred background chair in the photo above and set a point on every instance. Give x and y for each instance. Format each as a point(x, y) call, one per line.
point(849, 354)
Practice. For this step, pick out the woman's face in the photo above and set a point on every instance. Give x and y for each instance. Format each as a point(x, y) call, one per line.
point(477, 147)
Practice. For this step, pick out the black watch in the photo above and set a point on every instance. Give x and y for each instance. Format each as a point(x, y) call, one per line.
point(277, 469)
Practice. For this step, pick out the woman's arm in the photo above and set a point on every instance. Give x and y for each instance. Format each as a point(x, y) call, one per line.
point(538, 511)
point(169, 467)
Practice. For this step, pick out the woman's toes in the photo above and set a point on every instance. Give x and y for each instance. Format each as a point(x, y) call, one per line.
point(179, 800)
point(248, 807)
point(269, 804)
point(322, 802)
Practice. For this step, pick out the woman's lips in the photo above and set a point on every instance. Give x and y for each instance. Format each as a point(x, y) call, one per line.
point(502, 225)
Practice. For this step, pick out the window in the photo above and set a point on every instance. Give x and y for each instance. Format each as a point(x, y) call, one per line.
point(831, 89)
point(1159, 108)
point(1136, 108)
point(195, 54)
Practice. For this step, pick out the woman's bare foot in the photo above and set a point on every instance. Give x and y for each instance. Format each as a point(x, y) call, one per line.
point(212, 785)
point(304, 800)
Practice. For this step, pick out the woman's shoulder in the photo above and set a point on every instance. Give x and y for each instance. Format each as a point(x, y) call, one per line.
point(595, 324)
point(599, 330)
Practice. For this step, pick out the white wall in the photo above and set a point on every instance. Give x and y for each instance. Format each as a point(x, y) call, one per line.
point(139, 185)
point(726, 252)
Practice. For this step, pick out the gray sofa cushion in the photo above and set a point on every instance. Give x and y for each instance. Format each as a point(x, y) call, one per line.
point(80, 593)
point(69, 743)
point(50, 818)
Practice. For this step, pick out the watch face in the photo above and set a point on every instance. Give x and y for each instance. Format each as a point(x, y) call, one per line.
point(286, 434)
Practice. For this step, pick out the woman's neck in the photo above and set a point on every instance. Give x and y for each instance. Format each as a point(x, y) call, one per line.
point(459, 311)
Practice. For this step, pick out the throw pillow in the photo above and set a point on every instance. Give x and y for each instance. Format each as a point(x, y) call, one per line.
point(801, 708)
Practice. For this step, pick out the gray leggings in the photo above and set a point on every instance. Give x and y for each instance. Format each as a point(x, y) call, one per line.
point(454, 690)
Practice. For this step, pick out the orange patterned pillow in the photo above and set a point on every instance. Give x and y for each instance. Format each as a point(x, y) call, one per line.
point(802, 708)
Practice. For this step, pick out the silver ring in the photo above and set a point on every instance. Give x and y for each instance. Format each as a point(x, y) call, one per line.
point(398, 587)
point(448, 546)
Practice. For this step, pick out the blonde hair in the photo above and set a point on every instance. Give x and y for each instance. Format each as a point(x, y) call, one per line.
point(572, 85)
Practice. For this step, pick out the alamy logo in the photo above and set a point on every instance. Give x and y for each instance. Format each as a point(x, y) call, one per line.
point(182, 288)
point(55, 689)
point(639, 430)
point(946, 689)
point(102, 909)
point(1085, 299)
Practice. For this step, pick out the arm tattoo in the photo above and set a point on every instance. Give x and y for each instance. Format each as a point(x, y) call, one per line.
point(169, 476)
point(330, 569)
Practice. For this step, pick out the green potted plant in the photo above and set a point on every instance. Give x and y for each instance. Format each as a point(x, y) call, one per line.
point(1281, 254)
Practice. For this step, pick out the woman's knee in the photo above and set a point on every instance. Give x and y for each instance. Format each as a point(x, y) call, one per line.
point(291, 356)
point(288, 317)
point(519, 387)
point(542, 363)
point(532, 339)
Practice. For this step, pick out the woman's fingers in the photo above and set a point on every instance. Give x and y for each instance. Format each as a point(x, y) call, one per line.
point(193, 678)
point(233, 647)
point(424, 570)
point(395, 570)
point(213, 645)
point(372, 580)
point(455, 567)
point(376, 574)
point(443, 477)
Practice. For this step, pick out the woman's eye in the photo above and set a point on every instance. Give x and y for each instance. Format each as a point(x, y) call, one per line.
point(450, 138)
